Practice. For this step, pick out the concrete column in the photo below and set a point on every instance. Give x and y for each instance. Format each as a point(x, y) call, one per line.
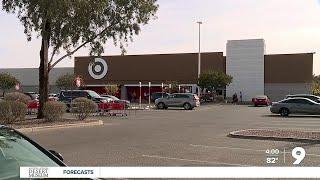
point(194, 89)
point(124, 94)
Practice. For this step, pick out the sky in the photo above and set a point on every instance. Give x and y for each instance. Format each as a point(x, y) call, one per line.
point(287, 26)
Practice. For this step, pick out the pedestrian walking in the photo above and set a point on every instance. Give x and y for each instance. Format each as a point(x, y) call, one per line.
point(235, 98)
point(134, 96)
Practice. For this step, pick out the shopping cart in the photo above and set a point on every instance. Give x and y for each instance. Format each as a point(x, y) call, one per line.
point(32, 107)
point(113, 108)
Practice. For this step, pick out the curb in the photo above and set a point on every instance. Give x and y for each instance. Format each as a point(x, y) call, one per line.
point(271, 138)
point(61, 126)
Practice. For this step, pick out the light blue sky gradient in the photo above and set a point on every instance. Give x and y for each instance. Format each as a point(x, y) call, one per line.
point(288, 26)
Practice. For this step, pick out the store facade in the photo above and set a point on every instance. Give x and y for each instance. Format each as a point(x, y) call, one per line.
point(254, 72)
point(155, 72)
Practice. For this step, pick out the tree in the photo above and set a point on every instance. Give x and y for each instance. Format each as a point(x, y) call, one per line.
point(70, 25)
point(7, 82)
point(316, 85)
point(68, 82)
point(174, 86)
point(213, 80)
point(112, 90)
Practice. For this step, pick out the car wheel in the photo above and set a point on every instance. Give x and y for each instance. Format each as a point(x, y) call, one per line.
point(161, 105)
point(284, 112)
point(187, 106)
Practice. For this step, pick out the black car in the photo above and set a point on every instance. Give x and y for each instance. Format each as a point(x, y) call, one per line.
point(157, 95)
point(67, 96)
point(17, 150)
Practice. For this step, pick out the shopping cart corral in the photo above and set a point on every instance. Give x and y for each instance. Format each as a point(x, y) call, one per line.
point(113, 108)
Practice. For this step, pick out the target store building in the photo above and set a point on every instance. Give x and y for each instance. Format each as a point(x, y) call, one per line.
point(253, 71)
point(159, 70)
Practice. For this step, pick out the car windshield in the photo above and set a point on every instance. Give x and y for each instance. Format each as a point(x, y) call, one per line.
point(15, 151)
point(313, 98)
point(94, 94)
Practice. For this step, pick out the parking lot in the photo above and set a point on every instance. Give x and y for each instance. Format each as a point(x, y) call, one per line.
point(180, 138)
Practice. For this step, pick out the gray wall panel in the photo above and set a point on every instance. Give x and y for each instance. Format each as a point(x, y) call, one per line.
point(278, 91)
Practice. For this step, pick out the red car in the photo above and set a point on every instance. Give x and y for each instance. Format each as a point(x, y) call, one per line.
point(261, 101)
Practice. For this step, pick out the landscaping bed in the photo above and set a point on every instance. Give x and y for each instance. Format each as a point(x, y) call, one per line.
point(32, 123)
point(295, 135)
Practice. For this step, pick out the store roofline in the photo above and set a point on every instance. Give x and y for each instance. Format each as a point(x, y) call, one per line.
point(153, 54)
point(290, 53)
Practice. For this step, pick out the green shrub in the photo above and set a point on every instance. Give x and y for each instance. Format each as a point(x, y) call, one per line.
point(83, 107)
point(17, 96)
point(19, 110)
point(12, 111)
point(5, 112)
point(54, 110)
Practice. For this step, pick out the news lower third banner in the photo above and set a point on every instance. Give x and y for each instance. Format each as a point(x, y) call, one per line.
point(169, 172)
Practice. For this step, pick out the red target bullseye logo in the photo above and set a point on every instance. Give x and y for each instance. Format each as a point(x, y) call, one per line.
point(98, 68)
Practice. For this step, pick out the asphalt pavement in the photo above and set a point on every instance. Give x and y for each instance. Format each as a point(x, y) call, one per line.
point(181, 138)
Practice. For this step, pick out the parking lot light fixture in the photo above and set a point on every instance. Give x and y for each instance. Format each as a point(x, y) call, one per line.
point(149, 94)
point(140, 95)
point(199, 55)
point(162, 89)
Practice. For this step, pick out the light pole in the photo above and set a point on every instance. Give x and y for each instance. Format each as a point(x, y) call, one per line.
point(199, 55)
point(149, 94)
point(140, 95)
point(162, 89)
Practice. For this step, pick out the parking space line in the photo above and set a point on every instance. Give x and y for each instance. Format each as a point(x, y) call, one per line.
point(191, 160)
point(244, 149)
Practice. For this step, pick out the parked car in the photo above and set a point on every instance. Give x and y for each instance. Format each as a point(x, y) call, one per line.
point(53, 97)
point(261, 100)
point(308, 96)
point(115, 99)
point(18, 150)
point(157, 95)
point(186, 100)
point(67, 96)
point(32, 95)
point(35, 96)
point(295, 106)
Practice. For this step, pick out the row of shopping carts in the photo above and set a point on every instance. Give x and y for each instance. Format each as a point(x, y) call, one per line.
point(113, 108)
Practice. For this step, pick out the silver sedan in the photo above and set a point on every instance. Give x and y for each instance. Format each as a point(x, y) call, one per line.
point(295, 106)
